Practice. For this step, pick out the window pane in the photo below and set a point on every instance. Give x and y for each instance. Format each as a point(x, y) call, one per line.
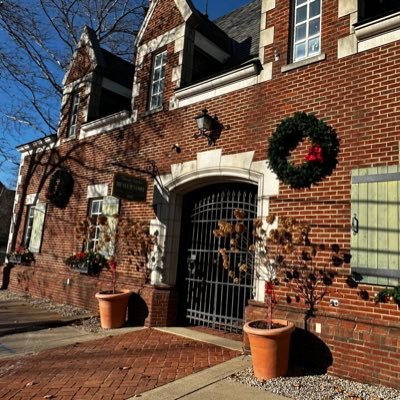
point(29, 223)
point(154, 102)
point(156, 88)
point(314, 27)
point(95, 207)
point(315, 8)
point(299, 2)
point(300, 50)
point(301, 14)
point(158, 60)
point(157, 73)
point(313, 46)
point(300, 32)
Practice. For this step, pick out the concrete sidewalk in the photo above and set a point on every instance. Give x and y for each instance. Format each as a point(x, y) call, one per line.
point(211, 384)
point(18, 316)
point(160, 364)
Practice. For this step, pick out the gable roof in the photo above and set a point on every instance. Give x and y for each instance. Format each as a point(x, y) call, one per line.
point(113, 67)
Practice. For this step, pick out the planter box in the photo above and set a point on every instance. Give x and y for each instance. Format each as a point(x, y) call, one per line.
point(82, 268)
point(15, 259)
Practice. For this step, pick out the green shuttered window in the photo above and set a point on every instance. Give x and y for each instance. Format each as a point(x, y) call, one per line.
point(375, 201)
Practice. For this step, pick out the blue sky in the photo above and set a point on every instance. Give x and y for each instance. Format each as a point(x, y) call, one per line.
point(216, 8)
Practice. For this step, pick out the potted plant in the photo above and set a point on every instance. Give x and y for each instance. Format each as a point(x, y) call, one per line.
point(139, 243)
point(113, 303)
point(269, 338)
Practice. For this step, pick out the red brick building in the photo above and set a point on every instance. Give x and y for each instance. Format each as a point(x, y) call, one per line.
point(253, 68)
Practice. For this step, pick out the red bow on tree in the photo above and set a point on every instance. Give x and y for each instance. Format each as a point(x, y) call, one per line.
point(315, 153)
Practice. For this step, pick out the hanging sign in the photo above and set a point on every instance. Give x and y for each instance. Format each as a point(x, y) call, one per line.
point(128, 187)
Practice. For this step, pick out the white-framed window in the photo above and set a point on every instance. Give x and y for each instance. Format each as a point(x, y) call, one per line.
point(103, 215)
point(157, 80)
point(95, 210)
point(30, 215)
point(306, 29)
point(73, 116)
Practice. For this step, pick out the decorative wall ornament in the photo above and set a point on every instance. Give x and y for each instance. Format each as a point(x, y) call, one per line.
point(60, 188)
point(320, 160)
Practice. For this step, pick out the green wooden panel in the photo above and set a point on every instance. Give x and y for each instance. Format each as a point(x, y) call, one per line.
point(376, 202)
point(363, 224)
point(372, 225)
point(354, 243)
point(382, 224)
point(393, 225)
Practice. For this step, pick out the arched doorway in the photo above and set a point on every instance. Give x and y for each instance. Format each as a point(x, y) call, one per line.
point(209, 296)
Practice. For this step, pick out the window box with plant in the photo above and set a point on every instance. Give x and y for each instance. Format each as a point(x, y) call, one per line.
point(21, 255)
point(88, 262)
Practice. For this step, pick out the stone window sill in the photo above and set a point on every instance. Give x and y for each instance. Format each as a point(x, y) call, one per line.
point(154, 111)
point(303, 63)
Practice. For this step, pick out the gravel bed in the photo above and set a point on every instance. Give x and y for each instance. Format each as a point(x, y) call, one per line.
point(85, 319)
point(317, 387)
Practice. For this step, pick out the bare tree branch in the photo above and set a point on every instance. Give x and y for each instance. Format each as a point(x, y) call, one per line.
point(37, 41)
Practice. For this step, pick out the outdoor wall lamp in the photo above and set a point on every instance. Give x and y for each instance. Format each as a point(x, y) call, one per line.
point(208, 127)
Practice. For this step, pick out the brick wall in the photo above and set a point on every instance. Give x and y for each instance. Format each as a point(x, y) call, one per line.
point(166, 16)
point(356, 95)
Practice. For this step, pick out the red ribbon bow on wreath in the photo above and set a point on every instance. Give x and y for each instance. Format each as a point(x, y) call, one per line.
point(315, 153)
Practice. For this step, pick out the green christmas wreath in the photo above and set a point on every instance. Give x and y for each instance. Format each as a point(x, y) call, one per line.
point(321, 159)
point(60, 188)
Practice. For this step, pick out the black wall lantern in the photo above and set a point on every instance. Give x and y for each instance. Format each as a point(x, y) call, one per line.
point(209, 127)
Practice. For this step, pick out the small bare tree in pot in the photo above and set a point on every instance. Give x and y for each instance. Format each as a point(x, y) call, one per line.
point(284, 250)
point(139, 242)
point(269, 338)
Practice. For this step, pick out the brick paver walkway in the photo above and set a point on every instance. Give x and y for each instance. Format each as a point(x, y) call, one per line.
point(110, 369)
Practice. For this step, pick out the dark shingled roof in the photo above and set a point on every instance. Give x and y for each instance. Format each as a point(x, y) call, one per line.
point(243, 27)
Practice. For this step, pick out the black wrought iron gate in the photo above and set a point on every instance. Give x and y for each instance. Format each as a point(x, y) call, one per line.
point(212, 298)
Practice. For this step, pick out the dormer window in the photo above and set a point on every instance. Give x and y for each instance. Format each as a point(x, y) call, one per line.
point(370, 10)
point(307, 29)
point(73, 117)
point(157, 80)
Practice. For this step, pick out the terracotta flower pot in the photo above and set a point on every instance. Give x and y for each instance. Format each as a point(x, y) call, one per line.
point(112, 307)
point(269, 348)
